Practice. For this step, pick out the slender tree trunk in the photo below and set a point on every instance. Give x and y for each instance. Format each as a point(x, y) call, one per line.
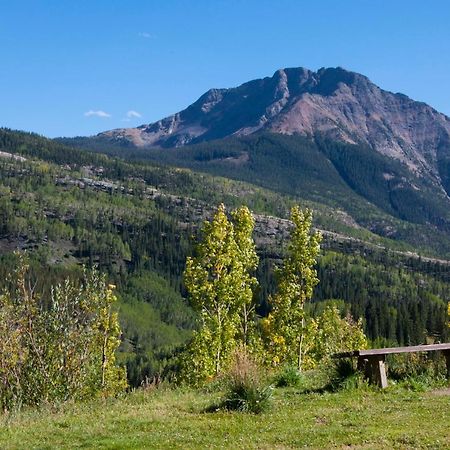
point(105, 341)
point(300, 346)
point(245, 326)
point(104, 350)
point(219, 347)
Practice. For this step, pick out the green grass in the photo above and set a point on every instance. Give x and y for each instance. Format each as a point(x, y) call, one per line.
point(175, 419)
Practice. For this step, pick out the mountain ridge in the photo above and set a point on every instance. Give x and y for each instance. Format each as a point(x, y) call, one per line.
point(330, 136)
point(332, 102)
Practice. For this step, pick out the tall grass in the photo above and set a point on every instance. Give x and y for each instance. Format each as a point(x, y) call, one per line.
point(247, 387)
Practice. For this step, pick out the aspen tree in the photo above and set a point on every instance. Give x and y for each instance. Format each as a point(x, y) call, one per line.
point(285, 324)
point(220, 285)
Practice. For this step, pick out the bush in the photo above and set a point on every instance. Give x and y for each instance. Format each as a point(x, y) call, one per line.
point(344, 375)
point(416, 365)
point(58, 347)
point(329, 333)
point(416, 371)
point(288, 376)
point(247, 389)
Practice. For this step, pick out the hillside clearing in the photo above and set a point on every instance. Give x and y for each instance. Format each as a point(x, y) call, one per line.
point(176, 419)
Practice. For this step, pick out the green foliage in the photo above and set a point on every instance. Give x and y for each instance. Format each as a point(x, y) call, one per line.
point(365, 172)
point(325, 335)
point(425, 369)
point(285, 324)
point(448, 314)
point(156, 321)
point(58, 347)
point(220, 286)
point(288, 376)
point(342, 375)
point(138, 227)
point(422, 382)
point(328, 334)
point(377, 191)
point(403, 301)
point(244, 223)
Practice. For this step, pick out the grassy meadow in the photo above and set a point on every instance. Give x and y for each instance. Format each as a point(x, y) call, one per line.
point(177, 419)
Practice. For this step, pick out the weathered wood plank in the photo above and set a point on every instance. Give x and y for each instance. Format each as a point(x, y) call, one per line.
point(390, 350)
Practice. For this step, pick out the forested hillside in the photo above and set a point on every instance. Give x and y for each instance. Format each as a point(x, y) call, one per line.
point(330, 136)
point(377, 192)
point(136, 221)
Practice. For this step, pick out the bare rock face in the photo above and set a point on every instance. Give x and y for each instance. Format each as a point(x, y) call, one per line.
point(333, 102)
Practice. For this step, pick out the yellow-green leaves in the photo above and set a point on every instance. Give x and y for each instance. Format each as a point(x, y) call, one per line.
point(220, 284)
point(329, 333)
point(58, 347)
point(285, 325)
point(448, 313)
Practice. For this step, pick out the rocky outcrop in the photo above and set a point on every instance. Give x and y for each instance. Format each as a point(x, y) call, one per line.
point(332, 102)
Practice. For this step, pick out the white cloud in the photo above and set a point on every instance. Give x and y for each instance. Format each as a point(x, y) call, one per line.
point(146, 35)
point(98, 113)
point(133, 114)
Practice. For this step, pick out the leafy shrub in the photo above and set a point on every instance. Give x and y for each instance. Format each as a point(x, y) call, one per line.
point(417, 371)
point(344, 375)
point(58, 347)
point(247, 389)
point(329, 333)
point(288, 376)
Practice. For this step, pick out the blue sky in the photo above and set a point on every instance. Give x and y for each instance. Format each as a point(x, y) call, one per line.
point(78, 67)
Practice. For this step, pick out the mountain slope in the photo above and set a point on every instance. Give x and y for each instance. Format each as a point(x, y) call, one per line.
point(374, 190)
point(334, 103)
point(330, 136)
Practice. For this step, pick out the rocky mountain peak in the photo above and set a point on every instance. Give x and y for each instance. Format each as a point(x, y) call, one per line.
point(332, 102)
